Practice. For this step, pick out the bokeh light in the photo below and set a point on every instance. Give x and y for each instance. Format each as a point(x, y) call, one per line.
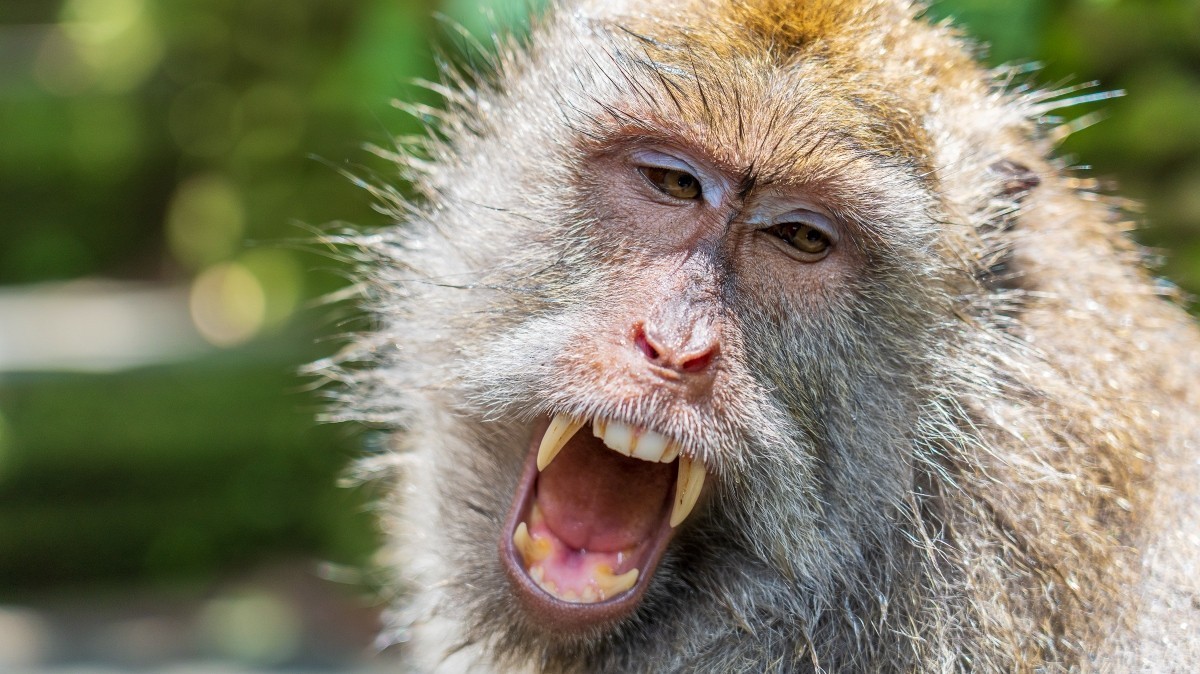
point(116, 40)
point(205, 221)
point(253, 627)
point(228, 304)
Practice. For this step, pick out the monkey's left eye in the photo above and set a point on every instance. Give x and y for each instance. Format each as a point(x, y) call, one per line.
point(673, 182)
point(808, 239)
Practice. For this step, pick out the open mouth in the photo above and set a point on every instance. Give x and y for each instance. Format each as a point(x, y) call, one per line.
point(592, 515)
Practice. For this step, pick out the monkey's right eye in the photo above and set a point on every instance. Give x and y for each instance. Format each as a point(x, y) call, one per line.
point(672, 182)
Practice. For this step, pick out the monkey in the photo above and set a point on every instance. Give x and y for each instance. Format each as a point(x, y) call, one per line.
point(769, 336)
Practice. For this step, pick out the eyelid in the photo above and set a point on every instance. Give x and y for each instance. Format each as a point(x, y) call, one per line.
point(664, 161)
point(810, 217)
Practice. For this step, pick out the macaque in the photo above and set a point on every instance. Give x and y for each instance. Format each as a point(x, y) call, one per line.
point(770, 336)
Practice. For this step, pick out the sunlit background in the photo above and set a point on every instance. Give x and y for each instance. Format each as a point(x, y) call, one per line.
point(166, 500)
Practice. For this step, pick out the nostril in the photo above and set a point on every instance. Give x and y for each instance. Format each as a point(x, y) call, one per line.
point(644, 344)
point(698, 363)
point(695, 356)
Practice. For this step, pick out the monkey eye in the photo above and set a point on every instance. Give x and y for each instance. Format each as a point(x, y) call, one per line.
point(672, 182)
point(806, 238)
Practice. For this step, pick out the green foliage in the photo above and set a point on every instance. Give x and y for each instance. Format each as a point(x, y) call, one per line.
point(1147, 143)
point(179, 469)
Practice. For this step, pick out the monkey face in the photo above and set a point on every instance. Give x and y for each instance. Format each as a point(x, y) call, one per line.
point(623, 458)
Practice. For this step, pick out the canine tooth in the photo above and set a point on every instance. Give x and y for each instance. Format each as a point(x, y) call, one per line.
point(687, 488)
point(671, 453)
point(617, 436)
point(523, 541)
point(651, 446)
point(610, 585)
point(533, 550)
point(560, 430)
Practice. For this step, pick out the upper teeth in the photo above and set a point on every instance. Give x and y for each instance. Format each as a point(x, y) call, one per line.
point(636, 442)
point(687, 488)
point(562, 428)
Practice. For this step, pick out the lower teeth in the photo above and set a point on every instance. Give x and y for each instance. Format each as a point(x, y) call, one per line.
point(599, 585)
point(602, 585)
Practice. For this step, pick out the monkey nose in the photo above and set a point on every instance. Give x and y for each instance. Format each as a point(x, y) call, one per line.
point(689, 353)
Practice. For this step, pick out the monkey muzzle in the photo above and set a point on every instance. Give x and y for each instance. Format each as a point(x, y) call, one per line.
point(592, 516)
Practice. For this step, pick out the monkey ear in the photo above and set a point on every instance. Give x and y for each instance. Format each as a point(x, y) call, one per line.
point(1017, 180)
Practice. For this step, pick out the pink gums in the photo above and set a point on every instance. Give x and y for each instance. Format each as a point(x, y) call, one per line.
point(569, 572)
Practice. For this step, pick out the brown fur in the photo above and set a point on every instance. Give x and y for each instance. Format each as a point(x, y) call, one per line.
point(981, 455)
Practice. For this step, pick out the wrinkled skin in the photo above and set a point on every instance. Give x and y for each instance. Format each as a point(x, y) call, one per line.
point(963, 438)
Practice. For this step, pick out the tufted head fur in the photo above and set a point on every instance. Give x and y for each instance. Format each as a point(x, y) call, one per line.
point(970, 448)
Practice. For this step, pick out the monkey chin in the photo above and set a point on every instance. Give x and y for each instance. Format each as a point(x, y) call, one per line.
point(591, 518)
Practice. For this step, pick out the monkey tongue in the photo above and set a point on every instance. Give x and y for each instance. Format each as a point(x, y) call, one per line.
point(594, 499)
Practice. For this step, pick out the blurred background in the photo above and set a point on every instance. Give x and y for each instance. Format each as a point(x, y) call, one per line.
point(167, 502)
